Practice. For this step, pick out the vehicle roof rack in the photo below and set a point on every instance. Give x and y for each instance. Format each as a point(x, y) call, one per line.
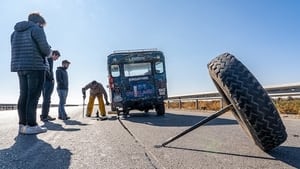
point(135, 50)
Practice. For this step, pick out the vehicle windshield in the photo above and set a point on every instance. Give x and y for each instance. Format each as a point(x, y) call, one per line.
point(137, 69)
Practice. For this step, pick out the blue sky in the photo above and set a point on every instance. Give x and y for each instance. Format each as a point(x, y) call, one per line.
point(263, 34)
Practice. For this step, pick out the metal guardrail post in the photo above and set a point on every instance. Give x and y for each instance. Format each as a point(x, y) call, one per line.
point(180, 104)
point(222, 102)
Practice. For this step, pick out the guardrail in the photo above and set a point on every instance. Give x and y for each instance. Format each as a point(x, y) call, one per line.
point(14, 106)
point(8, 107)
point(280, 91)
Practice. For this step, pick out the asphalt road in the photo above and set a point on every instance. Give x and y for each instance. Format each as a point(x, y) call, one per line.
point(133, 143)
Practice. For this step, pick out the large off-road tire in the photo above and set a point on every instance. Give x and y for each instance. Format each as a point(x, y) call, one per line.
point(253, 108)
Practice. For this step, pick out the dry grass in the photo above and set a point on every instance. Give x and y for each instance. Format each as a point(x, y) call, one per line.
point(192, 105)
point(288, 106)
point(284, 106)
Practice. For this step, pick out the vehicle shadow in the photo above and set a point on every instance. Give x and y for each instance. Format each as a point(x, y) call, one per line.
point(175, 119)
point(30, 152)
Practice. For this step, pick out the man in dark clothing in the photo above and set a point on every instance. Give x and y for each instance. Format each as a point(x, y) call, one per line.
point(48, 87)
point(29, 49)
point(62, 88)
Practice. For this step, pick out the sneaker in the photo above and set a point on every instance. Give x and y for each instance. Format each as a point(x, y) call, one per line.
point(87, 115)
point(33, 130)
point(48, 118)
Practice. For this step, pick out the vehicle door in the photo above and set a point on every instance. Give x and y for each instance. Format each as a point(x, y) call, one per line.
point(139, 81)
point(160, 79)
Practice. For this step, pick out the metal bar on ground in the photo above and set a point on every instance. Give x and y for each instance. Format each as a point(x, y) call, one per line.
point(201, 123)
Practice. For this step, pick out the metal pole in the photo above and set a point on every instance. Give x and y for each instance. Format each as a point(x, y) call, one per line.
point(202, 122)
point(83, 107)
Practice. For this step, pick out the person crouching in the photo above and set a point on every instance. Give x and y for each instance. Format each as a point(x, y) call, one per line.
point(96, 90)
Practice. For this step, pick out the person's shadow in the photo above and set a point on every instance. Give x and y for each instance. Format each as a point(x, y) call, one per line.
point(29, 152)
point(58, 127)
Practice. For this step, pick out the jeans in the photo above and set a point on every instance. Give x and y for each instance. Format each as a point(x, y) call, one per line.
point(31, 84)
point(47, 92)
point(62, 93)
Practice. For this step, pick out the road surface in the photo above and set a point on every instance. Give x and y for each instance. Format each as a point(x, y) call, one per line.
point(81, 143)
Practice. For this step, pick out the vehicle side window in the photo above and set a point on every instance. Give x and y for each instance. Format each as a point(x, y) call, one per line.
point(115, 70)
point(159, 67)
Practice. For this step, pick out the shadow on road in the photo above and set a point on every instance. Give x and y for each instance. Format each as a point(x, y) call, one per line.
point(218, 152)
point(30, 152)
point(58, 127)
point(74, 122)
point(175, 119)
point(289, 155)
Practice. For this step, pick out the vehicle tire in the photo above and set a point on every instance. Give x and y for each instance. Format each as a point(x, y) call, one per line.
point(160, 109)
point(253, 108)
point(125, 110)
point(118, 112)
point(113, 108)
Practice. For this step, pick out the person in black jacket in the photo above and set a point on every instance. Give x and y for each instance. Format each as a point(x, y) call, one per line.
point(48, 88)
point(62, 80)
point(29, 49)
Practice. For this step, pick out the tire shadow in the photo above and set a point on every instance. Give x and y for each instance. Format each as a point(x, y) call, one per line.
point(218, 152)
point(287, 154)
point(30, 152)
